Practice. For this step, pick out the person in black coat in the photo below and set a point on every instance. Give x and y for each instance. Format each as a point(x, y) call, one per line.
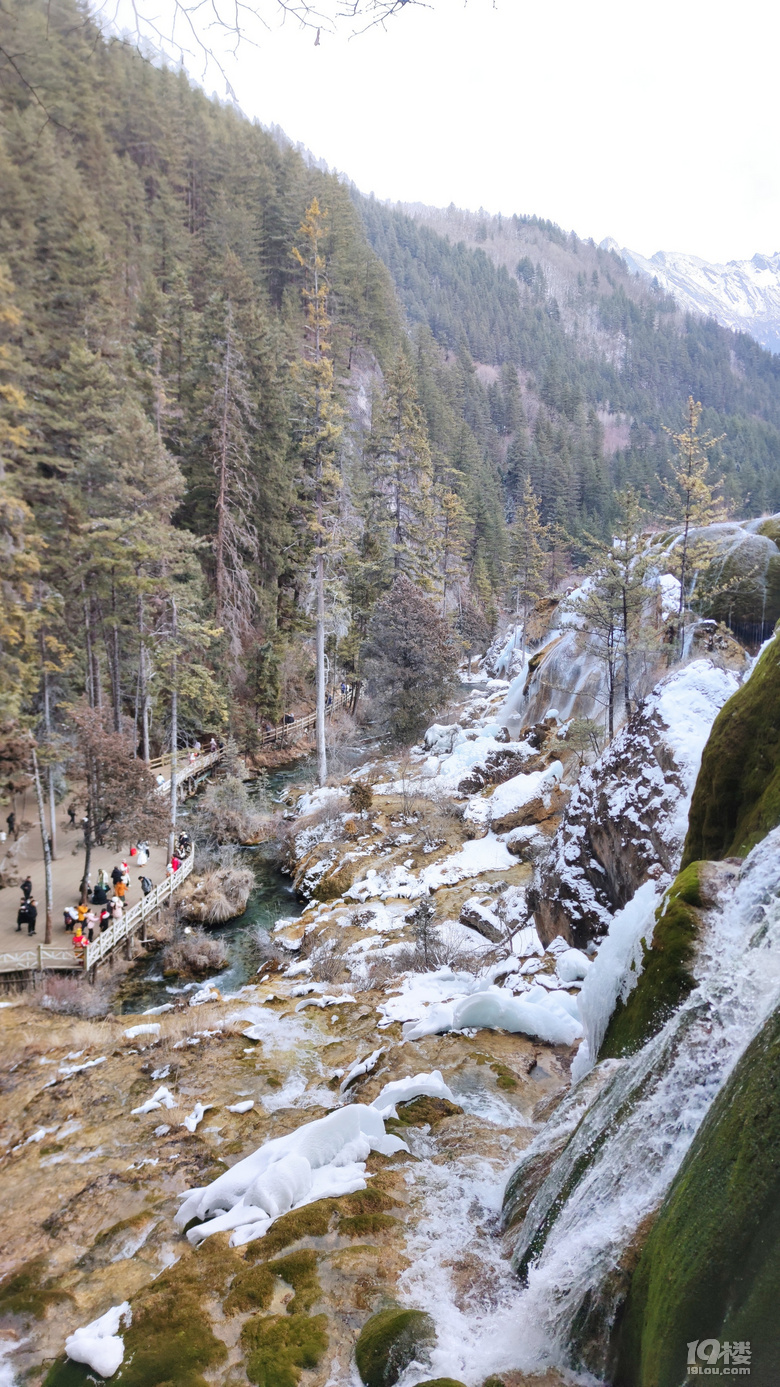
point(32, 916)
point(23, 916)
point(99, 895)
point(27, 888)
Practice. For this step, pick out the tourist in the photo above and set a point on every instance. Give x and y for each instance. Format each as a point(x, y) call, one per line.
point(72, 815)
point(213, 745)
point(27, 888)
point(11, 821)
point(116, 874)
point(32, 916)
point(147, 885)
point(100, 894)
point(121, 889)
point(90, 921)
point(105, 919)
point(80, 942)
point(70, 916)
point(23, 916)
point(117, 907)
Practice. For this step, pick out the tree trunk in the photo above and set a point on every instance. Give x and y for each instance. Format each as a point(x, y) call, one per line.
point(46, 853)
point(144, 683)
point(219, 542)
point(626, 657)
point(322, 755)
point(174, 736)
point(50, 769)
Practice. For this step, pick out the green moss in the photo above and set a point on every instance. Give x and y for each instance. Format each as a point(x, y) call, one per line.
point(299, 1270)
point(28, 1291)
point(506, 1078)
point(63, 1373)
point(278, 1348)
point(390, 1341)
point(373, 1200)
point(493, 1382)
point(737, 796)
point(312, 1221)
point(252, 1289)
point(666, 978)
point(170, 1340)
point(366, 1225)
point(711, 1265)
point(424, 1110)
point(443, 1382)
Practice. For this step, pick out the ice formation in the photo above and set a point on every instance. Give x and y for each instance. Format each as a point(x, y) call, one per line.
point(320, 1160)
point(99, 1345)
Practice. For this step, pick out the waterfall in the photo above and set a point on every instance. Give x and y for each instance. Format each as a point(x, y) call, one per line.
point(615, 1170)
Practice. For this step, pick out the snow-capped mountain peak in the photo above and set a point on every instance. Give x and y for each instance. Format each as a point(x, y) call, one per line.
point(742, 294)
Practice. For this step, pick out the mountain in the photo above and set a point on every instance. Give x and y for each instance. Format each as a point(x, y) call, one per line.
point(605, 359)
point(742, 294)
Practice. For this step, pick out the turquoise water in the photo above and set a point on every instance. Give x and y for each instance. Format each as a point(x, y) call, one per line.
point(272, 899)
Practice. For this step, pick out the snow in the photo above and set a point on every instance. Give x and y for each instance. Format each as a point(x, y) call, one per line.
point(321, 798)
point(163, 1098)
point(193, 1119)
point(152, 1028)
point(241, 1107)
point(404, 1090)
point(99, 1345)
point(572, 965)
point(359, 1069)
point(614, 972)
point(496, 1009)
point(510, 797)
point(320, 1160)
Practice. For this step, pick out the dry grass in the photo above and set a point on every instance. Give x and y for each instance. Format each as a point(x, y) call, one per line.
point(217, 895)
point(194, 953)
point(74, 996)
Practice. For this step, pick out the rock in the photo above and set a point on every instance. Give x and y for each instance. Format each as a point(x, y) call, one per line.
point(528, 842)
point(625, 821)
point(527, 799)
point(480, 917)
point(722, 1208)
point(390, 1341)
point(476, 817)
point(502, 764)
point(737, 796)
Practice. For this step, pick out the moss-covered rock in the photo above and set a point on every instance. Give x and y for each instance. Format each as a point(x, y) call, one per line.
point(28, 1291)
point(737, 796)
point(666, 978)
point(390, 1341)
point(279, 1347)
point(711, 1265)
point(443, 1382)
point(170, 1339)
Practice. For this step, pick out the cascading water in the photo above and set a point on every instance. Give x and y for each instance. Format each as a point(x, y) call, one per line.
point(614, 1172)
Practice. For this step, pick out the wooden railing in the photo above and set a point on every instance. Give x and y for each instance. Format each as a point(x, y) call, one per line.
point(45, 956)
point(134, 917)
point(39, 958)
point(186, 769)
point(286, 730)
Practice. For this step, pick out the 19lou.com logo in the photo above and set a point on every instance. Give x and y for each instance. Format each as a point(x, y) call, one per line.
point(712, 1358)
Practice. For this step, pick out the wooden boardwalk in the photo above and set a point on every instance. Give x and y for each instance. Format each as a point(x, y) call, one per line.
point(288, 731)
point(55, 958)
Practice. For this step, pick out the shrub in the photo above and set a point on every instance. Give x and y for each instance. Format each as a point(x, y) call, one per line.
point(194, 953)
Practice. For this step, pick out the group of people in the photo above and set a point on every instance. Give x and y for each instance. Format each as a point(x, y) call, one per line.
point(28, 908)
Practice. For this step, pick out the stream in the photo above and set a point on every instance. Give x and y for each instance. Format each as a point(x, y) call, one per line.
point(272, 899)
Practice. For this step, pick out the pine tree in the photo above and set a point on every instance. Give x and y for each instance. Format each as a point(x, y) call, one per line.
point(235, 541)
point(398, 457)
point(319, 434)
point(528, 557)
point(693, 495)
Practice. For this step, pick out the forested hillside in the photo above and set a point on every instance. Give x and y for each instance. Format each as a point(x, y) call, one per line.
point(605, 361)
point(176, 294)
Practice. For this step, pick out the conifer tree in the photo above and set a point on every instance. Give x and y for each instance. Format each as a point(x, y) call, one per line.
point(399, 461)
point(319, 433)
point(528, 557)
point(232, 420)
point(695, 501)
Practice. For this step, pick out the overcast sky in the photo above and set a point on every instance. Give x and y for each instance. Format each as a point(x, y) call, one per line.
point(653, 123)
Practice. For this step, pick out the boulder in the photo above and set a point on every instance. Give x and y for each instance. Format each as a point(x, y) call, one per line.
point(527, 799)
point(479, 915)
point(626, 819)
